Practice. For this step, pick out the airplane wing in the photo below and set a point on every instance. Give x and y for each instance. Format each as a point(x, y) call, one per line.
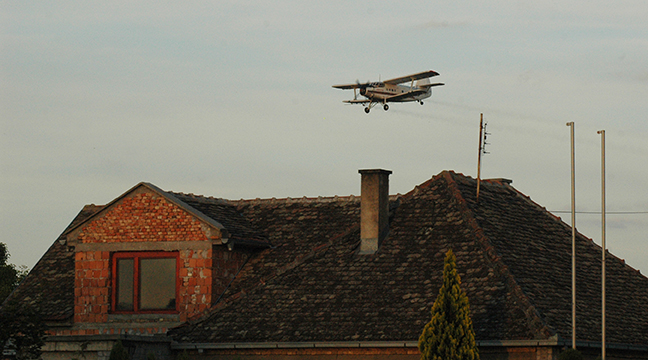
point(417, 76)
point(357, 101)
point(348, 86)
point(406, 95)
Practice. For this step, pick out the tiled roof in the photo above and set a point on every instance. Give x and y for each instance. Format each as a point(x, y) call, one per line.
point(513, 256)
point(49, 286)
point(536, 248)
point(238, 227)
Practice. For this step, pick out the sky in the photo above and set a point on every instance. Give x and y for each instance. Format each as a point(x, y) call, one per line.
point(234, 99)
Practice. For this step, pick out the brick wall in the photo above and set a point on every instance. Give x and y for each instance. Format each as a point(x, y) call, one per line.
point(226, 264)
point(196, 282)
point(142, 216)
point(91, 286)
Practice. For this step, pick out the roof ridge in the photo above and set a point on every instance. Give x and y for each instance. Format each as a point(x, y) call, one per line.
point(428, 182)
point(423, 185)
point(288, 199)
point(273, 200)
point(496, 260)
point(292, 200)
point(199, 198)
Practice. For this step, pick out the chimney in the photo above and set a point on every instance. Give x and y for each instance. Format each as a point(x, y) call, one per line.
point(374, 209)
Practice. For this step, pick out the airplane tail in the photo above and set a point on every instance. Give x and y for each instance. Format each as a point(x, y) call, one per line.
point(425, 83)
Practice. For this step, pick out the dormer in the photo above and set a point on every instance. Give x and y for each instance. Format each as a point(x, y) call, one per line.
point(150, 260)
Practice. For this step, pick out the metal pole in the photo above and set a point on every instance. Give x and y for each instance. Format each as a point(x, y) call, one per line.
point(481, 128)
point(602, 132)
point(573, 223)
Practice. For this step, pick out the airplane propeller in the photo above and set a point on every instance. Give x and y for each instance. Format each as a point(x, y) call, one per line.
point(362, 87)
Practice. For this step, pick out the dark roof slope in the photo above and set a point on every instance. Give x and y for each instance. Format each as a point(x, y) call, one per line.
point(297, 228)
point(513, 257)
point(49, 286)
point(238, 227)
point(536, 247)
point(329, 293)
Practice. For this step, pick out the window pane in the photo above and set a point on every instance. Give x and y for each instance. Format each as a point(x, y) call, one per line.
point(125, 284)
point(157, 284)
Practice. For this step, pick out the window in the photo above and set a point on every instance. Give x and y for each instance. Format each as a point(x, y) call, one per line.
point(144, 282)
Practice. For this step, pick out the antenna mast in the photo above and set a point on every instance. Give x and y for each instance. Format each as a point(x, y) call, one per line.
point(482, 150)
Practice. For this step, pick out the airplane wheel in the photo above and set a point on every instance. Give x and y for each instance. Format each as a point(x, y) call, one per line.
point(367, 110)
point(421, 102)
point(386, 107)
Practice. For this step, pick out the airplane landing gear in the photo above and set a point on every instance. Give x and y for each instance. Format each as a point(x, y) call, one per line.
point(386, 107)
point(421, 102)
point(367, 110)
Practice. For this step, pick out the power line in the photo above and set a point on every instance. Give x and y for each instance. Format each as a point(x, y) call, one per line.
point(599, 213)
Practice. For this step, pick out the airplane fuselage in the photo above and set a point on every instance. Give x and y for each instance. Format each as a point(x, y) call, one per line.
point(380, 91)
point(383, 92)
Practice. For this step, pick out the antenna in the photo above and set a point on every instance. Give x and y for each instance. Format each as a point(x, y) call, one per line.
point(483, 147)
point(483, 135)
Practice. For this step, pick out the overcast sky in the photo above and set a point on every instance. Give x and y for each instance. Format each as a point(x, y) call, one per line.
point(233, 99)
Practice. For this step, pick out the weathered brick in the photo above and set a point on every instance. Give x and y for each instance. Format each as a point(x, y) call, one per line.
point(147, 217)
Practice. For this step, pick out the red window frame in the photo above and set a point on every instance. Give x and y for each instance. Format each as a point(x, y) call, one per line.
point(137, 256)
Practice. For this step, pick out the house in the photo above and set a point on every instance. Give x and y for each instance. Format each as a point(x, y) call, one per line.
point(329, 277)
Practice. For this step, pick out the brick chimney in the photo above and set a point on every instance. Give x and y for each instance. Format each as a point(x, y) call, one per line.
point(374, 209)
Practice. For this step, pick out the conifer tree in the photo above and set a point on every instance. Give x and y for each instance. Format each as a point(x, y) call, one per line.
point(449, 335)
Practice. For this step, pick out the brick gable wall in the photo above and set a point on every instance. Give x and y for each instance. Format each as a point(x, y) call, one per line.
point(142, 219)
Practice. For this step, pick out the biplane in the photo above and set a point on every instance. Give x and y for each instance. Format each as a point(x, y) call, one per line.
point(383, 92)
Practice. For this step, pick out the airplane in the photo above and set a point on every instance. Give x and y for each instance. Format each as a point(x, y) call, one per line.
point(383, 92)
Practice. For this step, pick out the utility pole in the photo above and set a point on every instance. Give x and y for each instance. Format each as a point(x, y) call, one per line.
point(573, 223)
point(602, 132)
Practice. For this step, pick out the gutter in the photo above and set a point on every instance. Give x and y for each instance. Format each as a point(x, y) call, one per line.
point(347, 344)
point(294, 345)
point(393, 344)
point(597, 344)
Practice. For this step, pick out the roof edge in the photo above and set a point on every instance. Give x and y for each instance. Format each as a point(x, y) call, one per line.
point(349, 344)
point(554, 341)
point(168, 196)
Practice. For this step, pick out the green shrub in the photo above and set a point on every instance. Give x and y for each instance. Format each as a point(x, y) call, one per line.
point(118, 352)
point(183, 355)
point(571, 354)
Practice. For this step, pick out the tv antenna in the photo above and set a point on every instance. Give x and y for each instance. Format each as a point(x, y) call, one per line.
point(483, 135)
